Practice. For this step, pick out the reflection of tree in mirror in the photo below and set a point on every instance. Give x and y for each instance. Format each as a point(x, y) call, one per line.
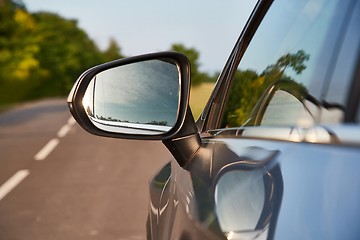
point(295, 61)
point(110, 119)
point(249, 86)
point(158, 123)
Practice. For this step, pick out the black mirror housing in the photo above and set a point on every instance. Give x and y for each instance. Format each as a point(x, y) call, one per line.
point(95, 126)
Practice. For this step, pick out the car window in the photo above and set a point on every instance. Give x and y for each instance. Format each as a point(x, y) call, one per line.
point(274, 114)
point(347, 61)
point(295, 44)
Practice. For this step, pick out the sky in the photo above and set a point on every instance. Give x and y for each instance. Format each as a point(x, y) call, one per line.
point(139, 27)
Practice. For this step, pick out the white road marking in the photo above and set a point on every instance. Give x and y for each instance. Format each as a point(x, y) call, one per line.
point(51, 145)
point(47, 149)
point(41, 155)
point(71, 121)
point(63, 131)
point(13, 182)
point(66, 128)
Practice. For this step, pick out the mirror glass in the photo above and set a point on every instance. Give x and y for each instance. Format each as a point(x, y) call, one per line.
point(137, 98)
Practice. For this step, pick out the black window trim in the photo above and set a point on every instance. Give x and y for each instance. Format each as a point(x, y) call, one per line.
point(352, 105)
point(211, 116)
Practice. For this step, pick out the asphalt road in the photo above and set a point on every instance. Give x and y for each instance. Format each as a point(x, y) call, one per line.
point(59, 182)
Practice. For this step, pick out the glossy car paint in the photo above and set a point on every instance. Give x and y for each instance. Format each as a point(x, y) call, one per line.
point(316, 190)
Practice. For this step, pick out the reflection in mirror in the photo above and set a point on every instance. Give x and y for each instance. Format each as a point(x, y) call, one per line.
point(285, 109)
point(248, 200)
point(240, 198)
point(137, 98)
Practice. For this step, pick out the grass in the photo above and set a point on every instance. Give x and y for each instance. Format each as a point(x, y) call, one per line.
point(199, 96)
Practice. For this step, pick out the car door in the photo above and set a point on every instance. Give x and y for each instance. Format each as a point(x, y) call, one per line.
point(278, 159)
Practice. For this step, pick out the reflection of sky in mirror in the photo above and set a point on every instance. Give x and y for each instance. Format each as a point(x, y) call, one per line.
point(139, 92)
point(304, 26)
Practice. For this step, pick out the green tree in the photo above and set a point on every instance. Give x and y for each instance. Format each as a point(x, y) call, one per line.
point(65, 51)
point(17, 46)
point(18, 49)
point(197, 77)
point(242, 98)
point(113, 51)
point(42, 54)
point(248, 86)
point(293, 60)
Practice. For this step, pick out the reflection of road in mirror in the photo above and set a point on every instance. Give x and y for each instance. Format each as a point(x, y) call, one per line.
point(129, 128)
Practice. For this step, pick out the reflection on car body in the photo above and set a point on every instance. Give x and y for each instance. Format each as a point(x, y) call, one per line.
point(275, 153)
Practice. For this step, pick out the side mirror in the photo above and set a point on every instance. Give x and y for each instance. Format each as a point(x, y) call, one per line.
point(143, 97)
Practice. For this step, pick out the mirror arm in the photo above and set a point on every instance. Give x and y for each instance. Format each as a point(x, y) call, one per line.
point(186, 143)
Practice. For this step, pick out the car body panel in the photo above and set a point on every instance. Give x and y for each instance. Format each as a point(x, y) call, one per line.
point(319, 187)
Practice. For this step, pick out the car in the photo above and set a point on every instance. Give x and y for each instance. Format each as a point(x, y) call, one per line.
point(275, 153)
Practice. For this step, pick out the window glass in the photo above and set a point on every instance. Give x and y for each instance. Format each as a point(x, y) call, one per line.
point(294, 43)
point(295, 111)
point(347, 61)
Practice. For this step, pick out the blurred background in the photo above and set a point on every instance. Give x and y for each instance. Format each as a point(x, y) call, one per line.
point(46, 45)
point(57, 181)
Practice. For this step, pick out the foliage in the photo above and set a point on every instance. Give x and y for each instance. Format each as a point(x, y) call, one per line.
point(295, 61)
point(17, 49)
point(241, 97)
point(197, 77)
point(113, 51)
point(41, 54)
point(64, 52)
point(248, 86)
